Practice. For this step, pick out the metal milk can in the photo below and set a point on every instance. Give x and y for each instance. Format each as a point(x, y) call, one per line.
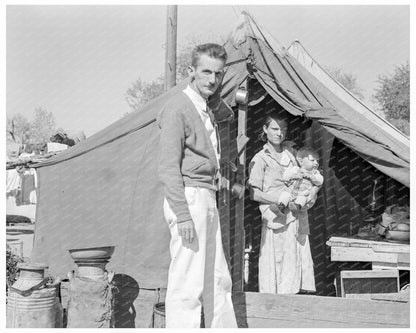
point(31, 303)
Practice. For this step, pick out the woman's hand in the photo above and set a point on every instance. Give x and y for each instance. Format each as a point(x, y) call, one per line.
point(279, 211)
point(299, 174)
point(284, 198)
point(310, 201)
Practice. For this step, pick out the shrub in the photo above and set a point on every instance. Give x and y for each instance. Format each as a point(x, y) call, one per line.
point(11, 266)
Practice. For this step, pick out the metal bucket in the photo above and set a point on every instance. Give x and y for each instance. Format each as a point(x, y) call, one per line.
point(159, 316)
point(158, 320)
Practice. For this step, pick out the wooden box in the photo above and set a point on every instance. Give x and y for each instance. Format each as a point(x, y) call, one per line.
point(365, 283)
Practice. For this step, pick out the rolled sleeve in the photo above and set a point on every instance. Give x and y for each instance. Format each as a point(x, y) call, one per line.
point(257, 169)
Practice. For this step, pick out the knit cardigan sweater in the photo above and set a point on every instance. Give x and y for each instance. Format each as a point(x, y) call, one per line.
point(186, 154)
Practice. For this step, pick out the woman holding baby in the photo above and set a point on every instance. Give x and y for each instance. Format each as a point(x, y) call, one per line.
point(285, 263)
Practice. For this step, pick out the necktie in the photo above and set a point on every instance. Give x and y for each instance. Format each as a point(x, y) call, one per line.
point(211, 127)
point(214, 136)
point(210, 115)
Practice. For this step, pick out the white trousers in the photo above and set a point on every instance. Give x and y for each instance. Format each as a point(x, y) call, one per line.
point(198, 272)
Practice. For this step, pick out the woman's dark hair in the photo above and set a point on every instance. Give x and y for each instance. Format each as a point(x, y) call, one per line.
point(278, 117)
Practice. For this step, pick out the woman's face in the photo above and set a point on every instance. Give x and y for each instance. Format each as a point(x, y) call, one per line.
point(275, 133)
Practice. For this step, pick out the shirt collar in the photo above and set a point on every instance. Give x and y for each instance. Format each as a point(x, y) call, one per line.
point(284, 159)
point(269, 149)
point(199, 102)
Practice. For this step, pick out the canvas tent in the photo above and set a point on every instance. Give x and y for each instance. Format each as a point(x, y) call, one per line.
point(104, 191)
point(383, 131)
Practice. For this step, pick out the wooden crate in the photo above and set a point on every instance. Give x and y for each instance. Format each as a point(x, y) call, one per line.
point(365, 283)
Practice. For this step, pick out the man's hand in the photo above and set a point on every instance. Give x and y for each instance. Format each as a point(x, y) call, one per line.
point(186, 230)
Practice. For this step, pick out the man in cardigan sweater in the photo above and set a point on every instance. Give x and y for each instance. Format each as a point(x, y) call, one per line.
point(189, 173)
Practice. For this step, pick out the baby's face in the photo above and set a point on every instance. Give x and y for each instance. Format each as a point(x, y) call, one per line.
point(309, 163)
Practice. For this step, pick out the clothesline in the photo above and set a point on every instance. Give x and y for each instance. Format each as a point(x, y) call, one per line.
point(28, 162)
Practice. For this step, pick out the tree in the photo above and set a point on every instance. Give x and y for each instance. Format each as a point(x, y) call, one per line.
point(348, 80)
point(38, 131)
point(140, 93)
point(393, 94)
point(19, 129)
point(183, 61)
point(42, 126)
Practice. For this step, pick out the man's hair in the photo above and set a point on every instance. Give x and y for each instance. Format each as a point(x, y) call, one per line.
point(306, 151)
point(212, 50)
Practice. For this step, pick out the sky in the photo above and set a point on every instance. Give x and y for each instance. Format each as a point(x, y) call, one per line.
point(78, 61)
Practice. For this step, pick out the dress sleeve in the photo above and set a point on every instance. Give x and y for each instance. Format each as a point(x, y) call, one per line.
point(256, 171)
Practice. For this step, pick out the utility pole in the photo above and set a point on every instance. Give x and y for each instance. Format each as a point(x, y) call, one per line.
point(171, 32)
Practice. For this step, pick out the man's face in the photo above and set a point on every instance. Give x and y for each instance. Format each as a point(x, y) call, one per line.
point(207, 75)
point(309, 163)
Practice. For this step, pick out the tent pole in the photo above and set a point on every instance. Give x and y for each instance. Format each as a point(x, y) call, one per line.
point(171, 33)
point(239, 252)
